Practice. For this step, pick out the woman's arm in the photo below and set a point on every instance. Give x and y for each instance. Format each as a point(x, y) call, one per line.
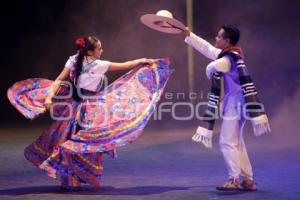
point(127, 65)
point(55, 85)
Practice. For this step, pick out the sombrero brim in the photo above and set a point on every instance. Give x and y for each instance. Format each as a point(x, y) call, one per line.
point(162, 24)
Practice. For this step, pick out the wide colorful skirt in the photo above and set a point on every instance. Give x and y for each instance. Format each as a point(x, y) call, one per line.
point(72, 148)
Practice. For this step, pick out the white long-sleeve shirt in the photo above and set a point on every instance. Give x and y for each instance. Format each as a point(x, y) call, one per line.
point(233, 92)
point(221, 65)
point(92, 73)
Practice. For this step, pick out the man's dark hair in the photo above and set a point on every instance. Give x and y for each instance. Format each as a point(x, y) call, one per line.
point(232, 33)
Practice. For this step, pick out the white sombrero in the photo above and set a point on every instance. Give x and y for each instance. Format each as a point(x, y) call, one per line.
point(163, 21)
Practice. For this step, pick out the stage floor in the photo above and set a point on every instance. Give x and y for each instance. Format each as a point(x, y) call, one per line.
point(161, 164)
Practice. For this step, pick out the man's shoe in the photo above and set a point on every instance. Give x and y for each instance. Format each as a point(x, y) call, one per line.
point(230, 185)
point(248, 185)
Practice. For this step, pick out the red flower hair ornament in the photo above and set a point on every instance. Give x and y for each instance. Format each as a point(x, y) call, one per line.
point(80, 43)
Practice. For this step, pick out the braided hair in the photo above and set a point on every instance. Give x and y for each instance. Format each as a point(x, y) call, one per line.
point(84, 44)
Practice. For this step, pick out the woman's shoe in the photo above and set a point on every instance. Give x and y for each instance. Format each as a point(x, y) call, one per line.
point(70, 189)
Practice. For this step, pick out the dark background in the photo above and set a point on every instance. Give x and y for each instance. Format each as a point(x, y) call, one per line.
point(37, 37)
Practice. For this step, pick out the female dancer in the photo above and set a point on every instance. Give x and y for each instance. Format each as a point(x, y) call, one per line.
point(91, 122)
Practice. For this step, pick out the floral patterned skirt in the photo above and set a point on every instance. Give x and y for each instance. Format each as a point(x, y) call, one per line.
point(72, 148)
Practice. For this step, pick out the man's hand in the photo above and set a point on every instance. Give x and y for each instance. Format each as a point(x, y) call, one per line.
point(186, 32)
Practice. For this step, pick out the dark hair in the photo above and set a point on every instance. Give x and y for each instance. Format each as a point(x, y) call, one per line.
point(232, 33)
point(83, 45)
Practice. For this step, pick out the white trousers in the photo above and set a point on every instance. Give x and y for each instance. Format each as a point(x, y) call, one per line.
point(232, 144)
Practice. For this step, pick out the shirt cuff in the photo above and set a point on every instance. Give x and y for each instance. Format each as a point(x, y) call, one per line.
point(188, 38)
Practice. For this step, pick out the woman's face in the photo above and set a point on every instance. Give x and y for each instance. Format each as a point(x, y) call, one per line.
point(97, 51)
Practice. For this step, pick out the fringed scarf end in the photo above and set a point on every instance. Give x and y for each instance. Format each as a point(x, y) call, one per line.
point(203, 136)
point(260, 125)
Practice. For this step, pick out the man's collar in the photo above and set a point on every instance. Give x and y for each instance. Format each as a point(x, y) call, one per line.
point(233, 48)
